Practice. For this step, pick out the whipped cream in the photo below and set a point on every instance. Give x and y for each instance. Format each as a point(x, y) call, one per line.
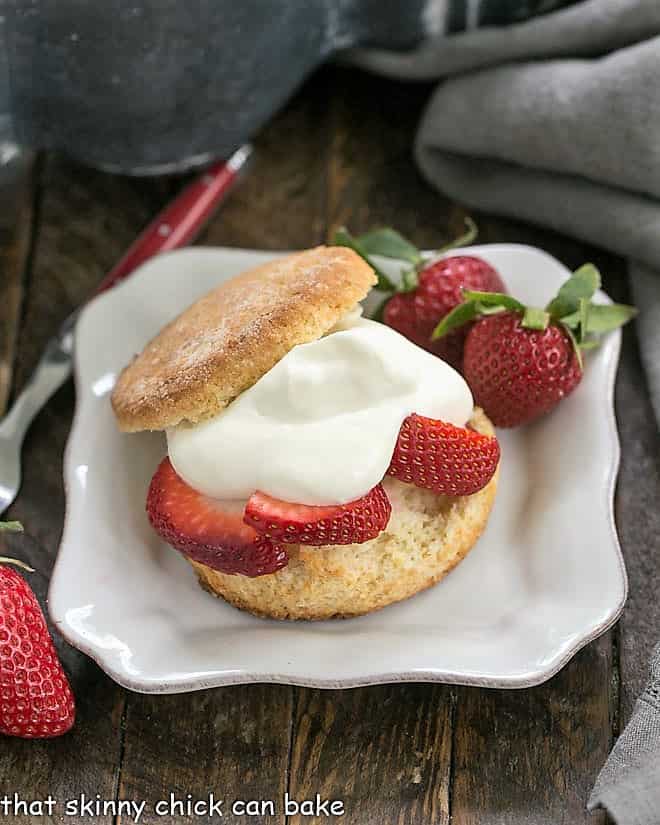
point(320, 427)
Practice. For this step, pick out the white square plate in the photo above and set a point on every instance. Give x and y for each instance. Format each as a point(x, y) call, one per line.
point(546, 577)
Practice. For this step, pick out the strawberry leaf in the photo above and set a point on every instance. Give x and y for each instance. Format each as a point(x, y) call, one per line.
point(482, 309)
point(583, 312)
point(409, 280)
point(388, 243)
point(343, 237)
point(590, 343)
point(460, 315)
point(602, 318)
point(576, 346)
point(18, 563)
point(11, 526)
point(493, 299)
point(583, 283)
point(468, 237)
point(534, 318)
point(475, 305)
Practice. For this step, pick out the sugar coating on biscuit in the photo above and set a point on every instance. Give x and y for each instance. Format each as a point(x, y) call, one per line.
point(231, 337)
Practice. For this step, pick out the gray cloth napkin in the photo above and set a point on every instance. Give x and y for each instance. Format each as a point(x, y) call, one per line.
point(629, 784)
point(540, 134)
point(557, 121)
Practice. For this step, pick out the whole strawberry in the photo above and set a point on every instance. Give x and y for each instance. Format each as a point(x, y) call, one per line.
point(439, 289)
point(431, 287)
point(520, 361)
point(35, 697)
point(516, 374)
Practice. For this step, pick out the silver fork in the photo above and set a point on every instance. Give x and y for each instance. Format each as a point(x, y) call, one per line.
point(177, 225)
point(52, 371)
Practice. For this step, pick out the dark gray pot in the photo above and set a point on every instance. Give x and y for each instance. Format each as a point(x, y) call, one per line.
point(153, 85)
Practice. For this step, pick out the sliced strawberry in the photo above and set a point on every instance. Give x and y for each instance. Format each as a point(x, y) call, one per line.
point(453, 461)
point(208, 531)
point(352, 523)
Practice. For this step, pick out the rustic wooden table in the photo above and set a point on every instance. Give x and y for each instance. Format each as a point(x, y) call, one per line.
point(340, 153)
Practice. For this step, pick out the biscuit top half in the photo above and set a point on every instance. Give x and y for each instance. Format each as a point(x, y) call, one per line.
point(227, 340)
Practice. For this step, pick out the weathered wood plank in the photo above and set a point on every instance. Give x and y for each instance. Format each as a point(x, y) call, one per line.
point(280, 202)
point(231, 742)
point(85, 220)
point(637, 515)
point(384, 752)
point(532, 755)
point(88, 219)
point(236, 740)
point(17, 196)
point(372, 180)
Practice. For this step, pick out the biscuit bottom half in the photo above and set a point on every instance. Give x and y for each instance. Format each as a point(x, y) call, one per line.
point(426, 537)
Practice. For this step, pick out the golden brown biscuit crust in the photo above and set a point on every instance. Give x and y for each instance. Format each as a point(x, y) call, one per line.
point(228, 339)
point(427, 536)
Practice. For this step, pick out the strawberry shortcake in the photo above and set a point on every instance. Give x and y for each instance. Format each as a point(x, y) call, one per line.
point(318, 464)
